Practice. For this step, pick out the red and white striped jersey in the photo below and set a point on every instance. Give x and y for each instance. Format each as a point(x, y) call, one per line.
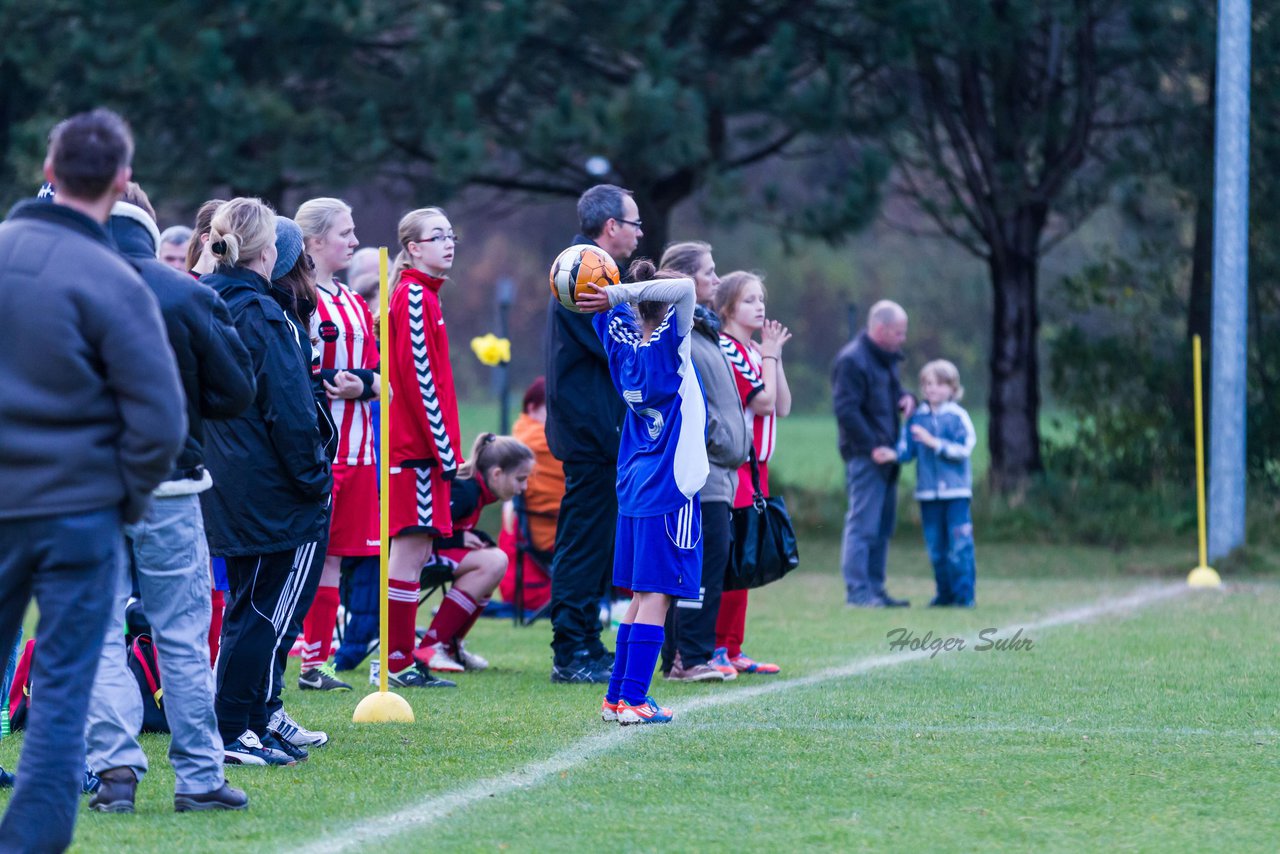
point(343, 326)
point(748, 370)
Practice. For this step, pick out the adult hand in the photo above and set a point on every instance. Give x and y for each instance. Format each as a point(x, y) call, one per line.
point(924, 437)
point(883, 455)
point(345, 385)
point(593, 301)
point(772, 336)
point(471, 541)
point(906, 405)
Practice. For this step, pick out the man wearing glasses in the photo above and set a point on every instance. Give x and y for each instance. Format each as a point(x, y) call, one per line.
point(584, 419)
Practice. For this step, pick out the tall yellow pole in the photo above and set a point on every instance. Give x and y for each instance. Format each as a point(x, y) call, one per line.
point(383, 706)
point(1203, 575)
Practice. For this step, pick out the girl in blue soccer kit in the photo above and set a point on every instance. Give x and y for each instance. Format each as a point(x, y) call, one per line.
point(662, 464)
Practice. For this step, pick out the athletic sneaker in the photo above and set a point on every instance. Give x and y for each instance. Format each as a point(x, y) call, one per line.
point(322, 678)
point(295, 733)
point(436, 657)
point(720, 661)
point(248, 750)
point(271, 741)
point(6, 779)
point(744, 663)
point(648, 712)
point(697, 673)
point(582, 669)
point(416, 677)
point(469, 659)
point(608, 711)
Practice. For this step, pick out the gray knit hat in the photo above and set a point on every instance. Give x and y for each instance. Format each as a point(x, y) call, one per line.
point(288, 246)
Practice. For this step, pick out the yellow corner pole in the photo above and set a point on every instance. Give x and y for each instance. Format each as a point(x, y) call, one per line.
point(1203, 575)
point(383, 706)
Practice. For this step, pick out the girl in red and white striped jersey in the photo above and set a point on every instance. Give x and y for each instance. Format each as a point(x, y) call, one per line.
point(498, 471)
point(762, 383)
point(425, 451)
point(342, 329)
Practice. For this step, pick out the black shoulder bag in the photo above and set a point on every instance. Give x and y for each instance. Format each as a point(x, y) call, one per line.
point(764, 540)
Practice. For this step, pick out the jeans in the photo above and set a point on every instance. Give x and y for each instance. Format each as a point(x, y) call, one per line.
point(583, 564)
point(70, 563)
point(172, 561)
point(948, 535)
point(868, 525)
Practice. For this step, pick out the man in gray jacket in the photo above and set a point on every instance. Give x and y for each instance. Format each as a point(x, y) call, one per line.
point(91, 421)
point(691, 623)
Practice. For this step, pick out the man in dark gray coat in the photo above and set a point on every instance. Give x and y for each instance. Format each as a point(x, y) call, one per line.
point(868, 400)
point(91, 421)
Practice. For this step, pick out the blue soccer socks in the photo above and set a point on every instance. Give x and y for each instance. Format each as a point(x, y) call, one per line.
point(614, 692)
point(643, 647)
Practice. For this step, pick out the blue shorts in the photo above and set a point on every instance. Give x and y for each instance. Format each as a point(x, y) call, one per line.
point(660, 554)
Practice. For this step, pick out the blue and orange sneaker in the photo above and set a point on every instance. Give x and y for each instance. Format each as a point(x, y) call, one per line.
point(648, 712)
point(608, 711)
point(744, 663)
point(720, 661)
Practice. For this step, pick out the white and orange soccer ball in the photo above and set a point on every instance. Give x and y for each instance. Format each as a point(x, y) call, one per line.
point(577, 267)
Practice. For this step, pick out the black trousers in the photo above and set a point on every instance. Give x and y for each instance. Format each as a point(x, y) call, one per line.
point(310, 584)
point(265, 590)
point(691, 623)
point(582, 569)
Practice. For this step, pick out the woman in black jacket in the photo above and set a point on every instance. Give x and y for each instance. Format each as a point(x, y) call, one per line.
point(267, 512)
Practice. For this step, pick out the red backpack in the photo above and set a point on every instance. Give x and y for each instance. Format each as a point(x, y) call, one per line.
point(20, 693)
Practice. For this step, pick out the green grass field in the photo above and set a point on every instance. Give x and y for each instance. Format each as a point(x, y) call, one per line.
point(1148, 727)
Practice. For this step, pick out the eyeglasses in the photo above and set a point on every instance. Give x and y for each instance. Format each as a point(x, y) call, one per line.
point(450, 237)
point(634, 222)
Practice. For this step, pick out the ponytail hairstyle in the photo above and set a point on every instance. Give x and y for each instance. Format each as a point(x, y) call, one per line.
point(204, 216)
point(491, 450)
point(642, 270)
point(409, 230)
point(241, 231)
point(684, 258)
point(729, 294)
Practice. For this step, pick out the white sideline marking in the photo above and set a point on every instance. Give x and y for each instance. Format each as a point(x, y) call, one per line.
point(437, 807)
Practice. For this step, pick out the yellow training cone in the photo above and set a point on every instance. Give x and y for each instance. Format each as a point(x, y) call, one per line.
point(383, 706)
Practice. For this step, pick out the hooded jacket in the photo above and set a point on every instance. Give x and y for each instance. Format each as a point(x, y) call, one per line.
point(584, 413)
point(91, 415)
point(271, 475)
point(213, 363)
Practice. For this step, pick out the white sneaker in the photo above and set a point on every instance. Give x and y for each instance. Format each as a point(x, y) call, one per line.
point(442, 661)
point(295, 733)
point(470, 660)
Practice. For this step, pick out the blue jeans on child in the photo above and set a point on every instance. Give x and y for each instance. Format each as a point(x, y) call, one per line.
point(948, 535)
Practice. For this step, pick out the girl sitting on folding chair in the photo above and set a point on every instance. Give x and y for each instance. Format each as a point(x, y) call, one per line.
point(498, 470)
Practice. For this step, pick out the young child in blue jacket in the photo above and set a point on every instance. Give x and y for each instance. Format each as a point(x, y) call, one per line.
point(940, 437)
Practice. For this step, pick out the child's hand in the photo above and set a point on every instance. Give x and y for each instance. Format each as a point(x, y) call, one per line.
point(471, 541)
point(593, 301)
point(884, 455)
point(924, 437)
point(772, 336)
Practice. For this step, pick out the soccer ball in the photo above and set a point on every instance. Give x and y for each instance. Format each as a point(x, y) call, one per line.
point(577, 267)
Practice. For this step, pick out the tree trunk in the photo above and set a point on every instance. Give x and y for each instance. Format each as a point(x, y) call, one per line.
point(657, 224)
point(1014, 404)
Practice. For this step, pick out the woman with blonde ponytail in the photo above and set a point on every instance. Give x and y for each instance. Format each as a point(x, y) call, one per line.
point(498, 470)
point(425, 444)
point(267, 511)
